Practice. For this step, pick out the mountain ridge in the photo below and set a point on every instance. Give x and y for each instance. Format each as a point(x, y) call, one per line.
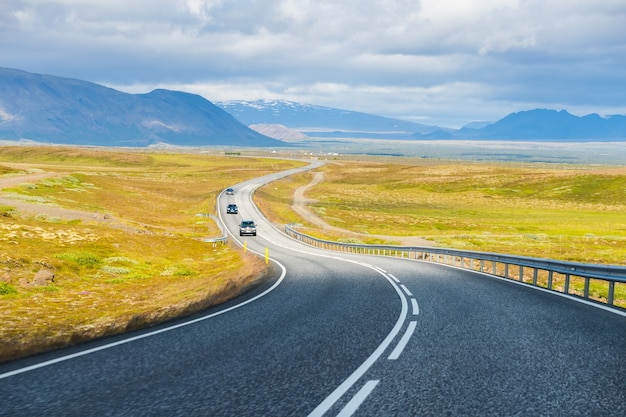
point(328, 123)
point(51, 109)
point(307, 117)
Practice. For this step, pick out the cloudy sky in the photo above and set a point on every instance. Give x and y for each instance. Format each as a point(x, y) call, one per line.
point(442, 62)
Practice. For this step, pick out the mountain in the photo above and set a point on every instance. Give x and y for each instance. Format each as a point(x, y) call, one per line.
point(319, 121)
point(50, 109)
point(542, 125)
point(331, 123)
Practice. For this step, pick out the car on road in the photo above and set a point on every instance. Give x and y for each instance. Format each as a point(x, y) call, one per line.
point(230, 191)
point(247, 227)
point(232, 209)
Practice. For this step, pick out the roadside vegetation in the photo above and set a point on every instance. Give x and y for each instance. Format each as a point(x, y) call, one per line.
point(107, 241)
point(565, 212)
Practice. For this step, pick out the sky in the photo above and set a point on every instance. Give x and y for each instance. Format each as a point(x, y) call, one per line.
point(436, 62)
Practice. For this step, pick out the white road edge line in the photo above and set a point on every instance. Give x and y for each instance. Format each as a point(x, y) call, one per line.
point(145, 335)
point(358, 399)
point(402, 343)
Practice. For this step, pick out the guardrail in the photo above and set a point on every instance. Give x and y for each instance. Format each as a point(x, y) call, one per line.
point(218, 240)
point(589, 281)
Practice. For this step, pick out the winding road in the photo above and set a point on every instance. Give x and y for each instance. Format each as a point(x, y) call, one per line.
point(334, 334)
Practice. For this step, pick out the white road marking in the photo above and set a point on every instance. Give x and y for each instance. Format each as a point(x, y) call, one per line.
point(406, 290)
point(358, 399)
point(394, 278)
point(402, 343)
point(416, 309)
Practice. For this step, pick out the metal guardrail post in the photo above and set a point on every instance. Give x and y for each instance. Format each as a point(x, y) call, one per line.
point(550, 276)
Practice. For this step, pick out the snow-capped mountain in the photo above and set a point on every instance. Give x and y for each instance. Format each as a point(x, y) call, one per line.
point(320, 121)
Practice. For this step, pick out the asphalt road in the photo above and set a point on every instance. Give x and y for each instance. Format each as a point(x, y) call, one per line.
point(337, 334)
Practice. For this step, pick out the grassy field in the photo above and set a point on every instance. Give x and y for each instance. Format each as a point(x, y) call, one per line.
point(573, 213)
point(130, 253)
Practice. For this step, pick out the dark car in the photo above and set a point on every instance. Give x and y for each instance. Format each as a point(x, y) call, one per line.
point(230, 191)
point(247, 227)
point(232, 209)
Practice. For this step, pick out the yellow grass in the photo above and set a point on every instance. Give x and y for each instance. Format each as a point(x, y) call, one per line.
point(129, 257)
point(573, 213)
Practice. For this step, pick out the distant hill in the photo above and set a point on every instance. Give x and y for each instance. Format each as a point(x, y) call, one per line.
point(326, 122)
point(319, 121)
point(50, 109)
point(542, 125)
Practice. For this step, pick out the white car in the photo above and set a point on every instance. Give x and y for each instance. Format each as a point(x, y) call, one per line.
point(247, 227)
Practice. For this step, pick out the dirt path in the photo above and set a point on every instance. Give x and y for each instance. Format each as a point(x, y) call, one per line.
point(300, 206)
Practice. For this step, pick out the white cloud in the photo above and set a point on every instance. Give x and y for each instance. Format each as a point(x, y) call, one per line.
point(452, 61)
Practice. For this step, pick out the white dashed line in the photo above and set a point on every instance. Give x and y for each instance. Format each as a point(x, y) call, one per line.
point(402, 343)
point(416, 309)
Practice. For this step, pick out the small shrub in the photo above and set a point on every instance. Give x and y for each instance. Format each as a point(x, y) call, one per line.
point(7, 211)
point(168, 272)
point(82, 258)
point(115, 270)
point(6, 288)
point(48, 219)
point(120, 260)
point(29, 186)
point(183, 271)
